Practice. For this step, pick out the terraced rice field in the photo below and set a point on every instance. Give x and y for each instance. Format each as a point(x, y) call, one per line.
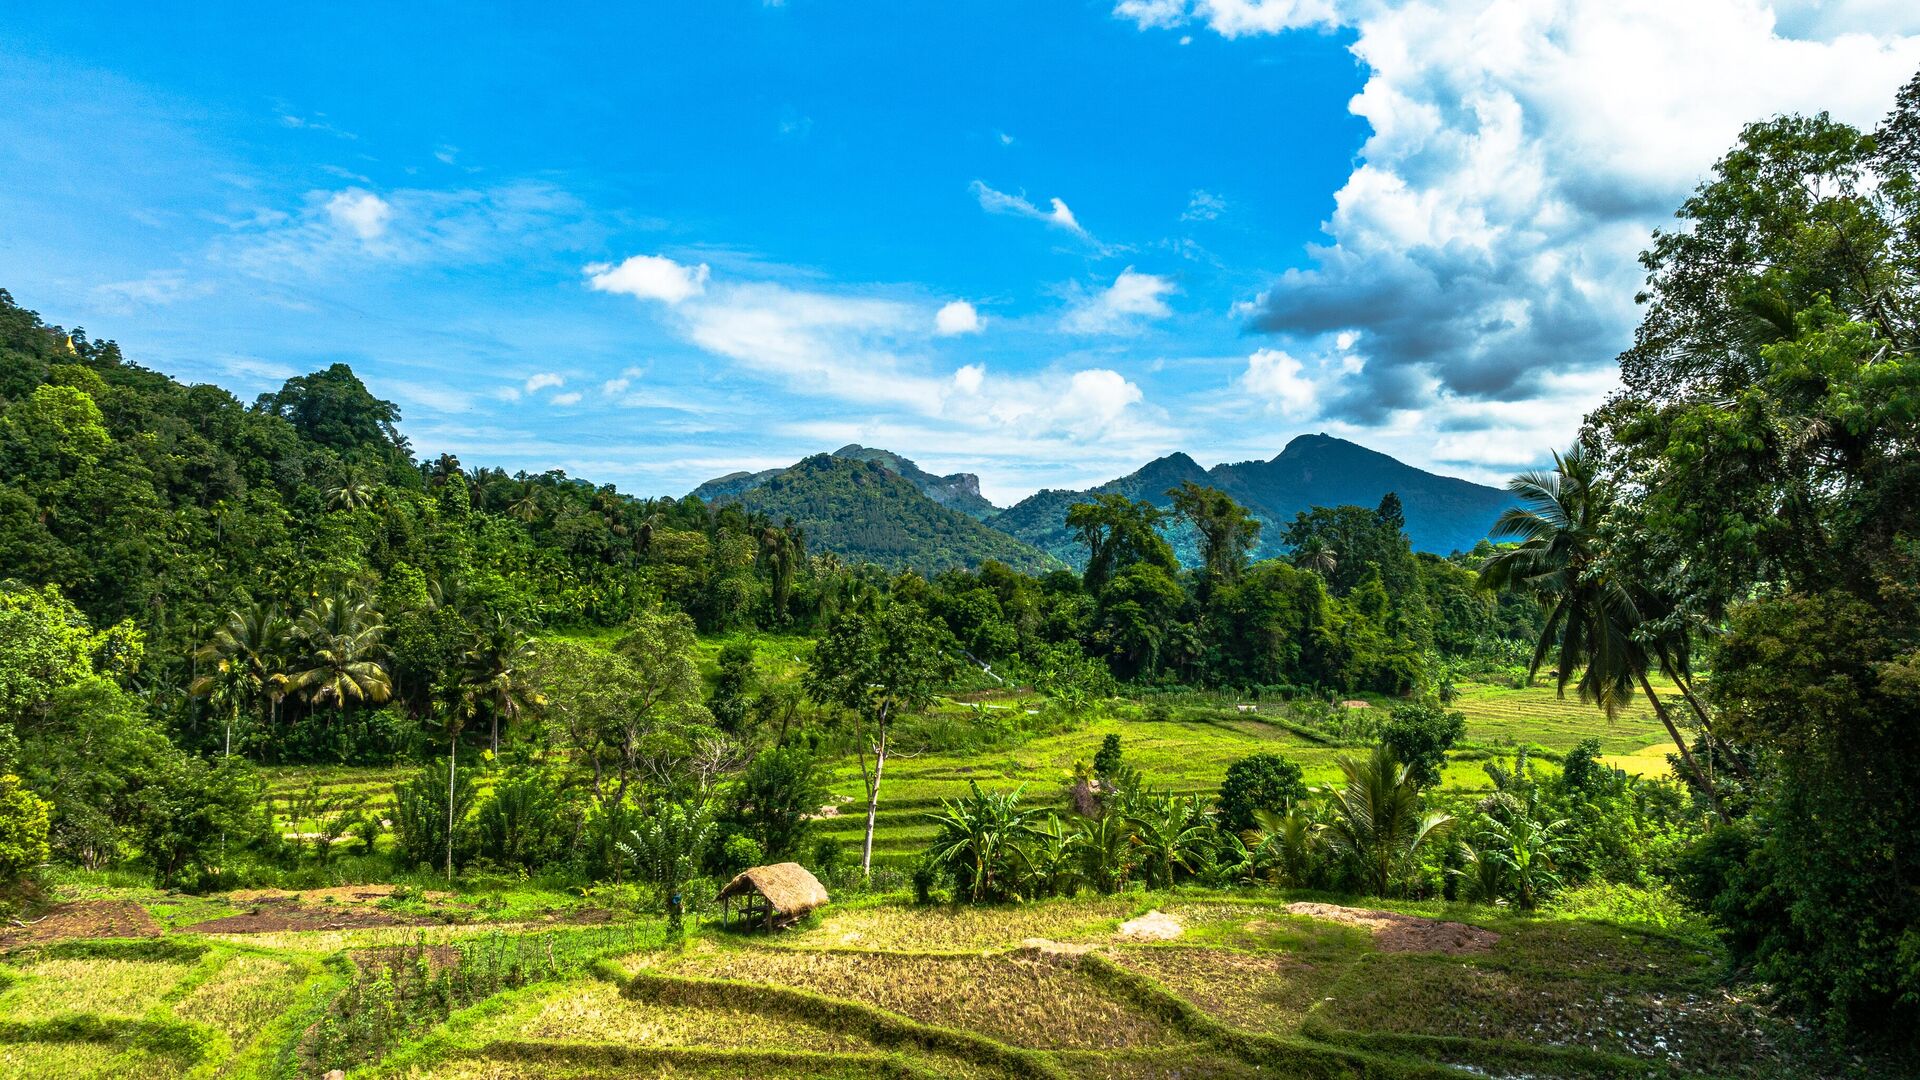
point(1191, 751)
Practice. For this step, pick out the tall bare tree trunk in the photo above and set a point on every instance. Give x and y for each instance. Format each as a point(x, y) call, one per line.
point(873, 800)
point(1686, 754)
point(453, 755)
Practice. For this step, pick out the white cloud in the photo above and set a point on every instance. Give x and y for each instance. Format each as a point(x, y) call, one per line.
point(649, 277)
point(615, 387)
point(348, 230)
point(1521, 152)
point(157, 289)
point(1132, 296)
point(1276, 377)
point(957, 317)
point(361, 212)
point(544, 381)
point(1203, 206)
point(999, 202)
point(968, 379)
point(571, 397)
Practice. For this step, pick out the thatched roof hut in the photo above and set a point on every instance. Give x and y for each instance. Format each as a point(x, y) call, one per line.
point(772, 895)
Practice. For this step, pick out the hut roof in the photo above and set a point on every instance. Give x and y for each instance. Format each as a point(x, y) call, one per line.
point(789, 887)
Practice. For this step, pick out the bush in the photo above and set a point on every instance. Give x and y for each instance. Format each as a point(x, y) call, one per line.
point(774, 798)
point(523, 823)
point(739, 853)
point(1420, 734)
point(1108, 758)
point(23, 831)
point(1261, 782)
point(420, 816)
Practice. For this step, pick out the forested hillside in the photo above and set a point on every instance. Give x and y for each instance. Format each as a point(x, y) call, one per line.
point(861, 508)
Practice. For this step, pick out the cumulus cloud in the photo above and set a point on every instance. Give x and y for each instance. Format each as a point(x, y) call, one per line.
point(1276, 377)
point(649, 277)
point(957, 317)
point(545, 380)
point(1521, 152)
point(571, 397)
point(360, 212)
point(1057, 214)
point(1132, 297)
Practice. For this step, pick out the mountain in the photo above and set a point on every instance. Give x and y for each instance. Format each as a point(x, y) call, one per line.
point(960, 491)
point(1039, 519)
point(863, 510)
point(1444, 513)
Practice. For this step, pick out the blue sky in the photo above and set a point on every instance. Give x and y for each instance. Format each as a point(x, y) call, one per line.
point(1041, 242)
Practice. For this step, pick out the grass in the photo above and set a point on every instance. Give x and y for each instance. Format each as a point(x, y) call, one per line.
point(110, 988)
point(1190, 750)
point(1029, 1000)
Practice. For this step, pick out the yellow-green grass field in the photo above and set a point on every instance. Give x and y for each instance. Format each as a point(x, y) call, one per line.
point(1190, 752)
point(880, 988)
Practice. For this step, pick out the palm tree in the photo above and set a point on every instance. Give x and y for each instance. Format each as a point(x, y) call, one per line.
point(1318, 556)
point(1285, 842)
point(500, 672)
point(353, 492)
point(980, 837)
point(246, 654)
point(342, 633)
point(1596, 624)
point(1375, 818)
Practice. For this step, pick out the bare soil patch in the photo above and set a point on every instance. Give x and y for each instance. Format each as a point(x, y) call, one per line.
point(1153, 926)
point(1394, 932)
point(276, 916)
point(83, 919)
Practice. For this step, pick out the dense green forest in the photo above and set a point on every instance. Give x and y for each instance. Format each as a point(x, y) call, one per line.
point(614, 690)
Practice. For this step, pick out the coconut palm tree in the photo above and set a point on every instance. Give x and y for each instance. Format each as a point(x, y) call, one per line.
point(500, 665)
point(353, 492)
point(1318, 556)
point(246, 655)
point(1597, 628)
point(1376, 819)
point(342, 633)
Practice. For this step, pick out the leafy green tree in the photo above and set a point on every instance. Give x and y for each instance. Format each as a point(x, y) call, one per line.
point(1420, 734)
point(1106, 761)
point(192, 813)
point(341, 633)
point(776, 797)
point(1259, 782)
point(1118, 533)
point(878, 669)
point(666, 850)
point(1377, 820)
point(1228, 531)
point(732, 686)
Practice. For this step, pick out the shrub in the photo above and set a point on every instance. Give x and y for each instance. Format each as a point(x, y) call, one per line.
point(1260, 782)
point(739, 853)
point(1107, 760)
point(420, 816)
point(774, 798)
point(523, 823)
point(1420, 734)
point(23, 830)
